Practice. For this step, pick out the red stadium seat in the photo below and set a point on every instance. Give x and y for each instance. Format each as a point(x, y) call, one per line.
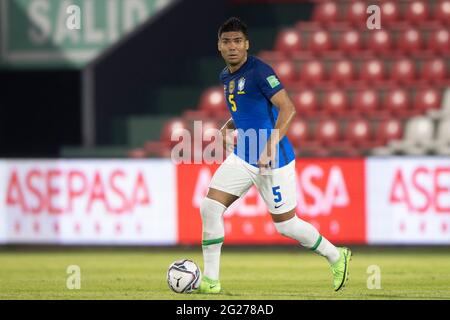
point(327, 132)
point(334, 102)
point(358, 132)
point(379, 41)
point(163, 147)
point(357, 14)
point(372, 70)
point(212, 101)
point(442, 11)
point(305, 102)
point(342, 71)
point(410, 40)
point(439, 41)
point(326, 12)
point(397, 101)
point(285, 71)
point(350, 41)
point(434, 70)
point(403, 71)
point(312, 72)
point(173, 127)
point(416, 11)
point(365, 102)
point(138, 153)
point(390, 12)
point(288, 41)
point(320, 41)
point(387, 130)
point(298, 132)
point(426, 99)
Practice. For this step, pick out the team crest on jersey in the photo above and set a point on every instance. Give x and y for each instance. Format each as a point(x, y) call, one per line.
point(241, 84)
point(231, 87)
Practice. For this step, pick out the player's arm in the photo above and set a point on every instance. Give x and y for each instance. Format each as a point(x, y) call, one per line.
point(286, 114)
point(226, 133)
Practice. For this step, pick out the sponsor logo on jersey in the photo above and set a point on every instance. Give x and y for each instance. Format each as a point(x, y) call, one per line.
point(273, 81)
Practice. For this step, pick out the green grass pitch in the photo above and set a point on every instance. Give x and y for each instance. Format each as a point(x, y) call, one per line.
point(406, 273)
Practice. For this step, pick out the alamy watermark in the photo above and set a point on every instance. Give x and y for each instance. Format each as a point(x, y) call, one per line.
point(73, 281)
point(374, 278)
point(212, 145)
point(73, 21)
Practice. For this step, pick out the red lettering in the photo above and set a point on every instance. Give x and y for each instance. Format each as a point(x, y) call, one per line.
point(35, 191)
point(52, 191)
point(14, 194)
point(140, 187)
point(97, 193)
point(421, 189)
point(439, 189)
point(112, 179)
point(399, 191)
point(72, 191)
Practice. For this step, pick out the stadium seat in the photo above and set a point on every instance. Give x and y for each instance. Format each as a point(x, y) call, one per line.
point(416, 11)
point(173, 127)
point(288, 41)
point(305, 102)
point(324, 141)
point(162, 148)
point(327, 132)
point(397, 102)
point(403, 71)
point(298, 132)
point(387, 130)
point(350, 41)
point(212, 101)
point(434, 70)
point(285, 71)
point(379, 41)
point(427, 99)
point(342, 71)
point(418, 138)
point(390, 12)
point(138, 153)
point(356, 12)
point(358, 133)
point(320, 41)
point(372, 70)
point(365, 102)
point(410, 40)
point(325, 12)
point(312, 72)
point(439, 41)
point(334, 102)
point(442, 11)
point(271, 56)
point(441, 144)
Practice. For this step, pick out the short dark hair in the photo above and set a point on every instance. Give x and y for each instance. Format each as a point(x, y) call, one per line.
point(233, 24)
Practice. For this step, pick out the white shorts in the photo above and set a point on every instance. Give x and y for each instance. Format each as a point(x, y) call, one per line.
point(235, 176)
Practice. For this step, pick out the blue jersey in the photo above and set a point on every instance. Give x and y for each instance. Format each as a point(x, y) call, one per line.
point(248, 92)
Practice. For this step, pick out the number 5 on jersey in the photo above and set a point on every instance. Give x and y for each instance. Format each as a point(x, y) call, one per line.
point(232, 102)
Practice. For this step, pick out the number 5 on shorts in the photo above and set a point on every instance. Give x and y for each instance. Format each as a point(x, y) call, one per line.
point(276, 192)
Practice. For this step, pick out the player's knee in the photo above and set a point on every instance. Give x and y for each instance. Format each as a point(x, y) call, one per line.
point(211, 208)
point(285, 227)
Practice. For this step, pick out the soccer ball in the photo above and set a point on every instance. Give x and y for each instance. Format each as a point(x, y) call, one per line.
point(183, 276)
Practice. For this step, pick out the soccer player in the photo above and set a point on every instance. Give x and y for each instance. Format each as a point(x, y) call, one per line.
point(258, 103)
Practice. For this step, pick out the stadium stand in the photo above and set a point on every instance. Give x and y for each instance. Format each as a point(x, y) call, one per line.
point(355, 89)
